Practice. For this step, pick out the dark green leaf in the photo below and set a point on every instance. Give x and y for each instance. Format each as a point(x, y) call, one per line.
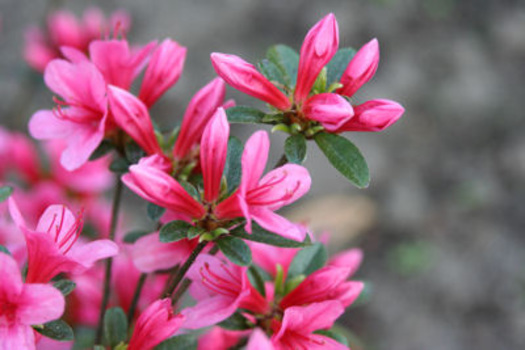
point(104, 148)
point(180, 342)
point(57, 330)
point(115, 326)
point(134, 152)
point(190, 189)
point(331, 333)
point(338, 64)
point(133, 236)
point(287, 60)
point(5, 192)
point(262, 236)
point(232, 168)
point(65, 286)
point(119, 165)
point(256, 280)
point(236, 322)
point(4, 250)
point(235, 250)
point(271, 71)
point(308, 260)
point(295, 149)
point(244, 114)
point(345, 157)
point(174, 231)
point(155, 212)
point(195, 231)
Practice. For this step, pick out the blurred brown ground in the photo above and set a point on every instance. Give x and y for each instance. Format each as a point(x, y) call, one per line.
point(442, 223)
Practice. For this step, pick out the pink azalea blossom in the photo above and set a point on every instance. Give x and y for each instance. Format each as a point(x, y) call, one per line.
point(373, 115)
point(154, 325)
point(23, 305)
point(218, 338)
point(331, 110)
point(220, 288)
point(259, 341)
point(51, 245)
point(361, 68)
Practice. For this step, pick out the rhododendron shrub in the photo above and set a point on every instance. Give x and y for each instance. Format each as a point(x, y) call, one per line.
point(219, 267)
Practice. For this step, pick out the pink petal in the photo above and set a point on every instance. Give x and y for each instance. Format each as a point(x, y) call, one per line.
point(331, 110)
point(209, 312)
point(37, 52)
point(351, 258)
point(17, 336)
point(244, 77)
point(56, 221)
point(12, 283)
point(277, 224)
point(198, 113)
point(86, 255)
point(64, 29)
point(44, 125)
point(40, 303)
point(361, 68)
point(254, 158)
point(259, 341)
point(132, 115)
point(73, 55)
point(164, 69)
point(15, 213)
point(319, 46)
point(214, 146)
point(158, 187)
point(307, 319)
point(348, 292)
point(373, 115)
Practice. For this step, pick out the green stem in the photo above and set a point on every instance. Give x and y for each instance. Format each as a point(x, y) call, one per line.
point(109, 262)
point(136, 296)
point(183, 269)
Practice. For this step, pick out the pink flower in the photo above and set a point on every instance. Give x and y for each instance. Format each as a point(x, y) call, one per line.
point(268, 257)
point(258, 198)
point(259, 341)
point(299, 322)
point(361, 68)
point(23, 305)
point(164, 69)
point(51, 246)
point(331, 110)
point(154, 325)
point(219, 338)
point(373, 115)
point(220, 289)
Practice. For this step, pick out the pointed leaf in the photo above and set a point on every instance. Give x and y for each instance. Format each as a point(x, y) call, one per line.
point(4, 250)
point(308, 260)
point(272, 72)
point(5, 192)
point(155, 212)
point(287, 59)
point(263, 236)
point(244, 114)
point(119, 165)
point(338, 64)
point(345, 157)
point(174, 231)
point(180, 342)
point(236, 322)
point(134, 152)
point(232, 169)
point(256, 280)
point(295, 149)
point(235, 250)
point(65, 286)
point(57, 330)
point(115, 326)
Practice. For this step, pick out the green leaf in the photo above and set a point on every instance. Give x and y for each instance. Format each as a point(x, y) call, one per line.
point(104, 148)
point(256, 280)
point(235, 250)
point(262, 236)
point(195, 231)
point(4, 250)
point(180, 342)
point(244, 114)
point(338, 64)
point(287, 59)
point(192, 191)
point(345, 157)
point(271, 71)
point(57, 330)
point(119, 165)
point(295, 149)
point(174, 231)
point(233, 168)
point(155, 212)
point(134, 152)
point(115, 326)
point(308, 260)
point(133, 236)
point(5, 192)
point(65, 286)
point(236, 322)
point(331, 333)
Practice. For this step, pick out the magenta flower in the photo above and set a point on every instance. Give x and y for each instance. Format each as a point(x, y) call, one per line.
point(220, 289)
point(218, 338)
point(361, 68)
point(156, 324)
point(23, 305)
point(259, 341)
point(51, 246)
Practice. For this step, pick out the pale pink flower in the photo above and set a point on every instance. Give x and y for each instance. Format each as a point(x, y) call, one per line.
point(154, 325)
point(51, 245)
point(23, 305)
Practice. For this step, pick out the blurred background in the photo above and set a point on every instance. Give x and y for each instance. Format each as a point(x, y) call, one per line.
point(442, 223)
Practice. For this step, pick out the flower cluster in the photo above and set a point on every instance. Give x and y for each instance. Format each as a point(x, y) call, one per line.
point(219, 267)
